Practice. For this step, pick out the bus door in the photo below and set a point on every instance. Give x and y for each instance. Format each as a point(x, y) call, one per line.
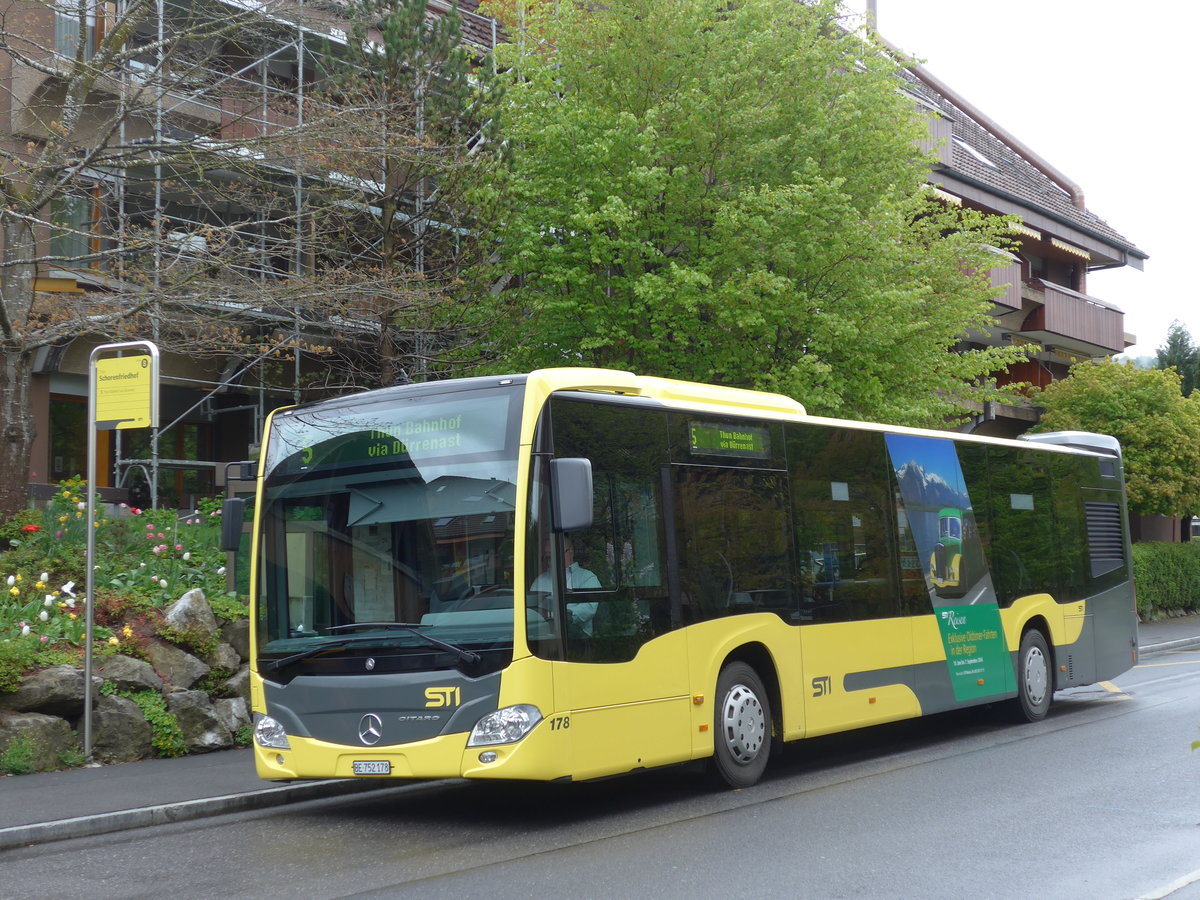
point(621, 671)
point(735, 577)
point(624, 679)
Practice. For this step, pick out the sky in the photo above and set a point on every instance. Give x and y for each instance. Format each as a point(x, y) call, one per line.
point(1101, 90)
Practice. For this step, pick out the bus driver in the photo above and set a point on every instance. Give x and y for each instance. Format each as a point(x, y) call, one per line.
point(576, 578)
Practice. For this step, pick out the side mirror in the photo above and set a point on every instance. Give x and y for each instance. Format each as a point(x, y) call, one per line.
point(233, 513)
point(570, 494)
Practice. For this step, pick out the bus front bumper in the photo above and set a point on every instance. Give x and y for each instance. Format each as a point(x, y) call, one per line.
point(542, 755)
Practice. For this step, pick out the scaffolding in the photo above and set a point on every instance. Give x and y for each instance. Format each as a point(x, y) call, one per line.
point(222, 77)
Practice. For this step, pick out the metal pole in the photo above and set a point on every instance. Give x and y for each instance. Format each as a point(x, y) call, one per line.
point(90, 581)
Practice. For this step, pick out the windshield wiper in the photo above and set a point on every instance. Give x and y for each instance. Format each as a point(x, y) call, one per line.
point(275, 665)
point(470, 657)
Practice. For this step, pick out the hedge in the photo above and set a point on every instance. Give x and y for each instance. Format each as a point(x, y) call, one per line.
point(1167, 577)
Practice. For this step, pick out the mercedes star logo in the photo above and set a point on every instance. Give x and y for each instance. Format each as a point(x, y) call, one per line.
point(370, 729)
point(370, 663)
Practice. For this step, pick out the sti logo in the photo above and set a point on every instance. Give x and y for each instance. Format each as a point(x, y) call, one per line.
point(952, 619)
point(438, 697)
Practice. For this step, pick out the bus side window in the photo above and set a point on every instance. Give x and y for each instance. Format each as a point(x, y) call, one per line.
point(844, 511)
point(1024, 552)
point(732, 536)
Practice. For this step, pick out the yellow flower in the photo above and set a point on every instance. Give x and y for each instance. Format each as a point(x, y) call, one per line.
point(39, 586)
point(72, 616)
point(114, 642)
point(127, 631)
point(62, 519)
point(79, 515)
point(14, 590)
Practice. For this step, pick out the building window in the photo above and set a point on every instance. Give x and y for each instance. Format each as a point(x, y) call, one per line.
point(71, 240)
point(68, 445)
point(67, 32)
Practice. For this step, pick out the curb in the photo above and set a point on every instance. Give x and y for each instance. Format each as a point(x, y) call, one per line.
point(1166, 646)
point(106, 823)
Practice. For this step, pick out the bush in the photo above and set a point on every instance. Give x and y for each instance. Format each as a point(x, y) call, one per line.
point(19, 757)
point(167, 737)
point(16, 655)
point(1167, 578)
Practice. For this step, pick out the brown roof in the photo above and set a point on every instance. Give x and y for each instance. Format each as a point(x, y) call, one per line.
point(1010, 176)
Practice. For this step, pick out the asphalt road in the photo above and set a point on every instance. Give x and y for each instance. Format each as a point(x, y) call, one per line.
point(1102, 800)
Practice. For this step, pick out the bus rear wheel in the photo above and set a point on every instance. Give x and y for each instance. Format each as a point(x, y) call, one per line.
point(1035, 678)
point(742, 725)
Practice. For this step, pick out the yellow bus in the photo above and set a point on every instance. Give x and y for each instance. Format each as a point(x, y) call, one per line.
point(578, 573)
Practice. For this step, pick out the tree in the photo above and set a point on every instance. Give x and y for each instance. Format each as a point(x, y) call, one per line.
point(1179, 352)
point(733, 193)
point(112, 107)
point(1159, 429)
point(401, 114)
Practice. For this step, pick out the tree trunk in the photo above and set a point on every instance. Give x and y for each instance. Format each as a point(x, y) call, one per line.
point(16, 428)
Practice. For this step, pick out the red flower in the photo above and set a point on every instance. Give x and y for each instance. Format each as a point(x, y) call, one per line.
point(31, 528)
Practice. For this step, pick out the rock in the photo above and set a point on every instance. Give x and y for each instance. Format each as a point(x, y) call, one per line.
point(224, 657)
point(191, 616)
point(57, 691)
point(177, 667)
point(129, 674)
point(237, 635)
point(120, 732)
point(232, 712)
point(239, 684)
point(48, 738)
point(202, 729)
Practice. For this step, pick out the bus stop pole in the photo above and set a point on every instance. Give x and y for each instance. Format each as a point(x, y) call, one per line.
point(89, 596)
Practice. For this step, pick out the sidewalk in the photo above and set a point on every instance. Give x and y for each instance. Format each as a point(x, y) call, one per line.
point(54, 806)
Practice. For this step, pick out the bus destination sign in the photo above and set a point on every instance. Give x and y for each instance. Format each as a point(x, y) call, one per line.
point(729, 440)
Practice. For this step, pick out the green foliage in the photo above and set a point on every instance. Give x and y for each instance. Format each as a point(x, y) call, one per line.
point(731, 193)
point(213, 683)
point(16, 655)
point(193, 640)
point(72, 758)
point(1167, 578)
point(1159, 429)
point(15, 531)
point(20, 756)
point(243, 735)
point(168, 736)
point(228, 606)
point(1181, 354)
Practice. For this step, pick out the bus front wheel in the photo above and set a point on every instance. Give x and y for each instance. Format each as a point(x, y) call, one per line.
point(742, 725)
point(1035, 678)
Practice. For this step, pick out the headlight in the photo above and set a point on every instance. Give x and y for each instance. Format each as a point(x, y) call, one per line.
point(269, 733)
point(505, 726)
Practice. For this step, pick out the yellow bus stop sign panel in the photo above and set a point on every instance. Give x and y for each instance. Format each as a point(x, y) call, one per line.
point(124, 392)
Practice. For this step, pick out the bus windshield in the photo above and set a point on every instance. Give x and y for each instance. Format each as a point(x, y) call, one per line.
point(387, 530)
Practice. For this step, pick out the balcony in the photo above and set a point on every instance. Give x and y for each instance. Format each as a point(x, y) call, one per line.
point(1072, 321)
